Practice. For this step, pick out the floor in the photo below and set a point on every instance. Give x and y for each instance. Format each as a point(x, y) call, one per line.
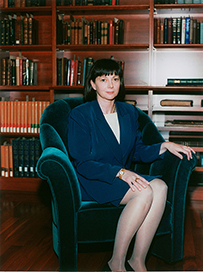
point(26, 240)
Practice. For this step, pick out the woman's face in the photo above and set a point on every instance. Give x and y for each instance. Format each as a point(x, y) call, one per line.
point(106, 86)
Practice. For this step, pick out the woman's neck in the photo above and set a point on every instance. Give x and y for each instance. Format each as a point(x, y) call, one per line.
point(107, 106)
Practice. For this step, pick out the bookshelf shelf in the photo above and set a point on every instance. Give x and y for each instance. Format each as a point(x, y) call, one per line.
point(44, 10)
point(106, 8)
point(181, 46)
point(24, 88)
point(106, 47)
point(198, 149)
point(20, 184)
point(176, 128)
point(12, 135)
point(178, 6)
point(14, 48)
point(198, 169)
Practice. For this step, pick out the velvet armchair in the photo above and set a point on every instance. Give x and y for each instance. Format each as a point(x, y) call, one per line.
point(76, 221)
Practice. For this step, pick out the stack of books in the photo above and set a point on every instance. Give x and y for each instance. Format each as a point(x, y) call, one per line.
point(182, 30)
point(198, 82)
point(82, 31)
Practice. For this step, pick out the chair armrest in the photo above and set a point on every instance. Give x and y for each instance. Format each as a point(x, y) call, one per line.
point(55, 167)
point(175, 172)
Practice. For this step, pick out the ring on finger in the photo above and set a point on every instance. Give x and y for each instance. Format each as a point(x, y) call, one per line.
point(136, 179)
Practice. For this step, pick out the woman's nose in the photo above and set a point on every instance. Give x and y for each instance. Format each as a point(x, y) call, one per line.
point(110, 84)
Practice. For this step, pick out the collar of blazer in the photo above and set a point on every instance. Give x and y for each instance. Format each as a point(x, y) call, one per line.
point(119, 150)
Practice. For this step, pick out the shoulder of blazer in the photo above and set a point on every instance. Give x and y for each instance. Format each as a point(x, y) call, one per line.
point(126, 108)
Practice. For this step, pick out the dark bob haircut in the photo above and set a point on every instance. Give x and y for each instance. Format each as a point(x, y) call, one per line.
point(99, 68)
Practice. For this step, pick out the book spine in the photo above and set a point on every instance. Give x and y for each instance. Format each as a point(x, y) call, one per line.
point(32, 158)
point(12, 116)
point(37, 155)
point(26, 157)
point(2, 161)
point(15, 143)
point(187, 30)
point(10, 161)
point(6, 163)
point(72, 72)
point(201, 33)
point(183, 31)
point(2, 116)
point(5, 115)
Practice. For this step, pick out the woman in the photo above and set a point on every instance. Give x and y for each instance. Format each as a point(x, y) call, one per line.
point(103, 140)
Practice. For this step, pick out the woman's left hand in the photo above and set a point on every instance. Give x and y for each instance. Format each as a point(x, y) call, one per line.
point(177, 149)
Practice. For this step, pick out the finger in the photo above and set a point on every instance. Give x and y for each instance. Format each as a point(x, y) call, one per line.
point(142, 179)
point(144, 184)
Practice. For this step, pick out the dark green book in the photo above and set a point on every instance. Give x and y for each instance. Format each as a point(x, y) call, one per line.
point(15, 144)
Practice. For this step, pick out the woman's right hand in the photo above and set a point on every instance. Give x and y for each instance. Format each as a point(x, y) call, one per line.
point(134, 180)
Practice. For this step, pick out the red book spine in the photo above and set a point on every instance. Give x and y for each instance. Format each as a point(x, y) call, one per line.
point(111, 32)
point(72, 72)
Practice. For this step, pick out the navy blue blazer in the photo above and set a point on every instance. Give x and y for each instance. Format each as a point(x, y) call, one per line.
point(96, 154)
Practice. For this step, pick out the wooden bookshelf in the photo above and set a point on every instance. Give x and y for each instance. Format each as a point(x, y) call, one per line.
point(146, 65)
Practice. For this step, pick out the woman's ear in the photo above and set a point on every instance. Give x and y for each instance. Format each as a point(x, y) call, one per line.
point(93, 84)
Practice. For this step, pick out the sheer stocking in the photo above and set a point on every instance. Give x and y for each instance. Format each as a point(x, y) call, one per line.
point(142, 214)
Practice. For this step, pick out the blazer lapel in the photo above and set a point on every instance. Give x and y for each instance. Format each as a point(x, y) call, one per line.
point(106, 132)
point(125, 130)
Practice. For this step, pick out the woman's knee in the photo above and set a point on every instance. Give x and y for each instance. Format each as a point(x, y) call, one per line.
point(159, 186)
point(145, 195)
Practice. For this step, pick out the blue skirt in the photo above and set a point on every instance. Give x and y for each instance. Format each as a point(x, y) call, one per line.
point(119, 185)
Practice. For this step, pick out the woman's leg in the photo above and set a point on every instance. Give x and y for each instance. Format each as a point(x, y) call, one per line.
point(132, 216)
point(148, 228)
point(142, 214)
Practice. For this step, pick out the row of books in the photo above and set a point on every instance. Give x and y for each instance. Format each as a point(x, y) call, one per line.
point(178, 1)
point(182, 30)
point(18, 30)
point(86, 2)
point(198, 82)
point(21, 116)
point(82, 31)
point(72, 72)
point(19, 158)
point(23, 3)
point(18, 71)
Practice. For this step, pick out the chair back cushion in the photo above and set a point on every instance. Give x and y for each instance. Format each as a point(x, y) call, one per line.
point(55, 117)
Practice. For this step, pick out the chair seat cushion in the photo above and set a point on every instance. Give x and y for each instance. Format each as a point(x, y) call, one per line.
point(97, 223)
